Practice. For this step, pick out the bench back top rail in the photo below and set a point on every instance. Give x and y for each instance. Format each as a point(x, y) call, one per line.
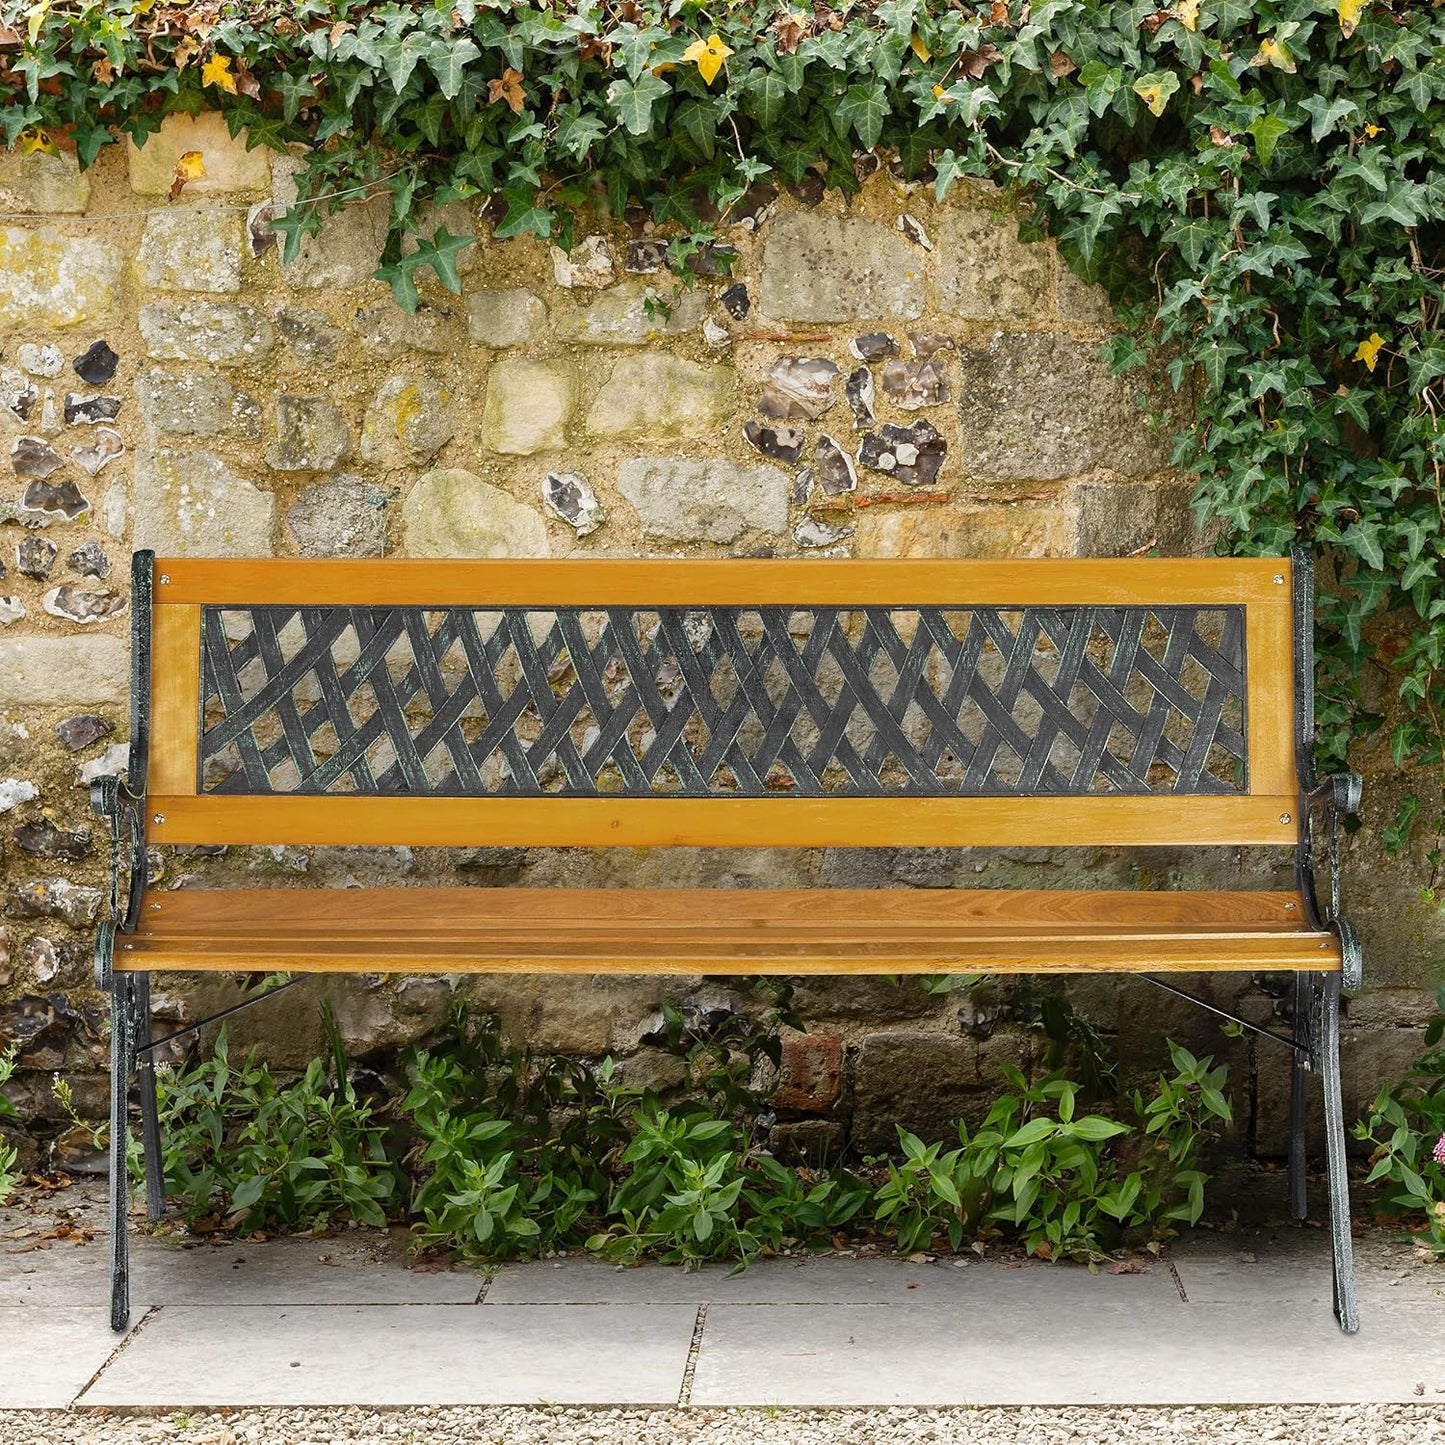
point(653, 703)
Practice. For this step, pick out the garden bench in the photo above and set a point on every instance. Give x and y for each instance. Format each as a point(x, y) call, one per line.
point(647, 704)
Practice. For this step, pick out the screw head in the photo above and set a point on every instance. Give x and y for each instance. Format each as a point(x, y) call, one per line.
point(1278, 579)
point(1284, 818)
point(166, 579)
point(158, 818)
point(1288, 908)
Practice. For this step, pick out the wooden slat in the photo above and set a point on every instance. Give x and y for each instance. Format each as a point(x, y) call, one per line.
point(1269, 649)
point(175, 699)
point(724, 931)
point(723, 822)
point(692, 583)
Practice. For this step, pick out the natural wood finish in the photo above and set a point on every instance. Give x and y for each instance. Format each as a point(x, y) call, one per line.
point(1269, 649)
point(784, 821)
point(622, 582)
point(175, 699)
point(724, 931)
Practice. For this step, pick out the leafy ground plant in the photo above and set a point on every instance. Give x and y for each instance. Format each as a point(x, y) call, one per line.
point(1407, 1128)
point(9, 1155)
point(1061, 1180)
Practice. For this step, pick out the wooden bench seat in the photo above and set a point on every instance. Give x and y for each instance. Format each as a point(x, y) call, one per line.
point(730, 704)
point(726, 931)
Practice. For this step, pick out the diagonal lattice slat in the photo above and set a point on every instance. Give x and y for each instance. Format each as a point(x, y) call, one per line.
point(727, 701)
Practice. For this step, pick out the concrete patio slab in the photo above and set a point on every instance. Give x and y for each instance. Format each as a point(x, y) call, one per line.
point(821, 1281)
point(1009, 1352)
point(48, 1366)
point(338, 1271)
point(187, 1356)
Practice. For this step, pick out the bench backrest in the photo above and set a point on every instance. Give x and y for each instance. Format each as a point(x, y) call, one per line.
point(796, 703)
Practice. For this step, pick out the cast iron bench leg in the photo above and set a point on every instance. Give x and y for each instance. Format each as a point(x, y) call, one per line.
point(145, 1076)
point(1329, 1065)
point(122, 1055)
point(1299, 1097)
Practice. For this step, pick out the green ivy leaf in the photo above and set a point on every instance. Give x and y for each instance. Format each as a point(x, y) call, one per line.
point(633, 101)
point(524, 216)
point(448, 60)
point(863, 109)
point(1267, 131)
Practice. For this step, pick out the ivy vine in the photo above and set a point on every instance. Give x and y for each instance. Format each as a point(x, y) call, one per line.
point(1260, 186)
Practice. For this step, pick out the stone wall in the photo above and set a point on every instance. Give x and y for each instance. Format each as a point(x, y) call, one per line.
point(876, 377)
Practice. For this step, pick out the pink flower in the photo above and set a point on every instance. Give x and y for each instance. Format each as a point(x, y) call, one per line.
point(1439, 1155)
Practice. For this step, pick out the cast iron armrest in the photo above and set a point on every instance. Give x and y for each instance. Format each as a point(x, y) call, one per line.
point(113, 798)
point(1336, 795)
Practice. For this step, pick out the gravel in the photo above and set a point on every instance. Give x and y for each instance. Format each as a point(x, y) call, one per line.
point(476, 1425)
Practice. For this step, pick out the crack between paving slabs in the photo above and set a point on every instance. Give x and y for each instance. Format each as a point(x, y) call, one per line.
point(122, 1345)
point(684, 1393)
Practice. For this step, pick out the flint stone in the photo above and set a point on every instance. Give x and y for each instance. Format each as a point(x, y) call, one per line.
point(861, 397)
point(199, 404)
point(261, 233)
point(33, 457)
point(873, 346)
point(1044, 407)
point(632, 315)
point(454, 513)
point(311, 435)
point(83, 604)
point(911, 228)
point(410, 420)
point(569, 497)
point(90, 560)
point(834, 467)
point(342, 517)
point(43, 361)
point(312, 335)
point(63, 671)
point(49, 422)
point(40, 958)
point(590, 263)
point(512, 316)
point(528, 405)
point(986, 273)
point(387, 330)
point(654, 394)
point(713, 501)
point(803, 481)
point(915, 384)
point(191, 504)
point(646, 257)
point(12, 610)
point(193, 249)
point(95, 365)
point(227, 335)
point(45, 840)
point(111, 763)
point(106, 447)
point(18, 394)
point(54, 280)
point(911, 454)
point(35, 556)
point(929, 343)
point(783, 442)
point(799, 387)
point(810, 532)
point(736, 301)
point(830, 268)
point(715, 258)
point(228, 164)
point(63, 501)
point(88, 410)
point(71, 903)
point(714, 334)
point(82, 730)
point(346, 250)
point(42, 184)
point(15, 791)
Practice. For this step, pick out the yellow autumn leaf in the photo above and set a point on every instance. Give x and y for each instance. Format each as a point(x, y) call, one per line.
point(37, 139)
point(1350, 12)
point(190, 167)
point(35, 18)
point(1276, 53)
point(1187, 14)
point(939, 93)
point(917, 46)
point(1371, 131)
point(1369, 351)
point(708, 55)
point(1153, 97)
point(217, 71)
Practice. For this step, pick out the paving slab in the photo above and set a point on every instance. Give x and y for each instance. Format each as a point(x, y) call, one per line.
point(1008, 1351)
point(818, 1281)
point(336, 1271)
point(188, 1356)
point(47, 1367)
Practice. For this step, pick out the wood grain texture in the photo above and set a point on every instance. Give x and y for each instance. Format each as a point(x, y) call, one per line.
point(724, 931)
point(175, 699)
point(691, 583)
point(1269, 649)
point(784, 821)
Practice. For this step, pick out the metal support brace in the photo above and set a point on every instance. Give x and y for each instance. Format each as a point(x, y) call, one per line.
point(122, 1057)
point(149, 1109)
point(1298, 1097)
point(1327, 1060)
